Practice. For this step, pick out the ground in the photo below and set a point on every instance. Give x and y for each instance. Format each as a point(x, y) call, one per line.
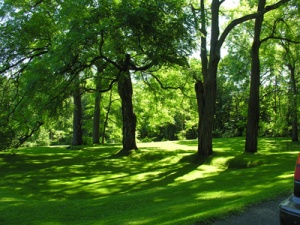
point(266, 213)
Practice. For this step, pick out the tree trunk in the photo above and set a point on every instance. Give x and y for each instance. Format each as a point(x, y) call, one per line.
point(199, 89)
point(209, 71)
point(77, 114)
point(253, 105)
point(106, 117)
point(294, 104)
point(96, 119)
point(208, 112)
point(129, 118)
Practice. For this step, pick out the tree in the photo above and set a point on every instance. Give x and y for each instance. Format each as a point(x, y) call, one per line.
point(77, 115)
point(210, 67)
point(128, 35)
point(129, 118)
point(150, 35)
point(253, 107)
point(97, 107)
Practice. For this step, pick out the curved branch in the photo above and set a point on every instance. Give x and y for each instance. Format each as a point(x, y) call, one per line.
point(243, 19)
point(103, 56)
point(102, 90)
point(142, 68)
point(34, 129)
point(161, 84)
point(280, 38)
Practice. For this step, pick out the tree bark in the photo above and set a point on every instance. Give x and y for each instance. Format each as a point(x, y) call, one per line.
point(253, 105)
point(209, 71)
point(199, 89)
point(77, 114)
point(128, 115)
point(106, 117)
point(96, 118)
point(294, 104)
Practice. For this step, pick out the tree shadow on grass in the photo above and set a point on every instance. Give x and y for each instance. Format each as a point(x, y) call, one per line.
point(139, 178)
point(82, 174)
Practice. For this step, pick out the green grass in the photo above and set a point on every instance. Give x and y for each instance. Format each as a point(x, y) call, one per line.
point(162, 183)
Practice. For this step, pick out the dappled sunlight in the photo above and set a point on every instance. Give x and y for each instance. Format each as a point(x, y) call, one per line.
point(201, 172)
point(169, 145)
point(286, 176)
point(167, 184)
point(272, 145)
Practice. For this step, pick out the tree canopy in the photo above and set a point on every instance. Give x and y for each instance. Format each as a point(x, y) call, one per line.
point(128, 66)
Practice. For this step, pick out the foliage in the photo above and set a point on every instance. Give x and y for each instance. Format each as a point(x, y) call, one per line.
point(61, 39)
point(168, 113)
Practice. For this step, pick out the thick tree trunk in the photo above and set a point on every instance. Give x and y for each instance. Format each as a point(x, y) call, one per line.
point(207, 115)
point(253, 105)
point(129, 118)
point(209, 71)
point(294, 104)
point(77, 115)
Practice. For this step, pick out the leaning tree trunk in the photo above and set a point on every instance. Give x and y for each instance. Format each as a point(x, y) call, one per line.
point(128, 116)
point(253, 105)
point(294, 104)
point(77, 114)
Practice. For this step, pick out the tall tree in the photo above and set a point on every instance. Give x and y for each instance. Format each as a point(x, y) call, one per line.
point(96, 118)
point(129, 118)
point(253, 106)
point(147, 36)
point(210, 66)
point(97, 108)
point(77, 115)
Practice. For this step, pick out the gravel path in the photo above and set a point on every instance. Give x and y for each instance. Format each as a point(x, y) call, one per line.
point(266, 213)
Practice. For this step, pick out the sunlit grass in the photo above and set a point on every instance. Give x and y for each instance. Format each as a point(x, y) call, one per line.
point(161, 183)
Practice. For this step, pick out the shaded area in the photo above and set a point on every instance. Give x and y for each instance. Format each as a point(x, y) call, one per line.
point(263, 213)
point(150, 186)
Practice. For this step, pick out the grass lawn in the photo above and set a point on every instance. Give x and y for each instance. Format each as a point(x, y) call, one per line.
point(163, 183)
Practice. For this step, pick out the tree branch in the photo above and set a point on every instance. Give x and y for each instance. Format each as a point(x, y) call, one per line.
point(280, 38)
point(246, 18)
point(35, 128)
point(161, 84)
point(103, 90)
point(103, 56)
point(142, 68)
